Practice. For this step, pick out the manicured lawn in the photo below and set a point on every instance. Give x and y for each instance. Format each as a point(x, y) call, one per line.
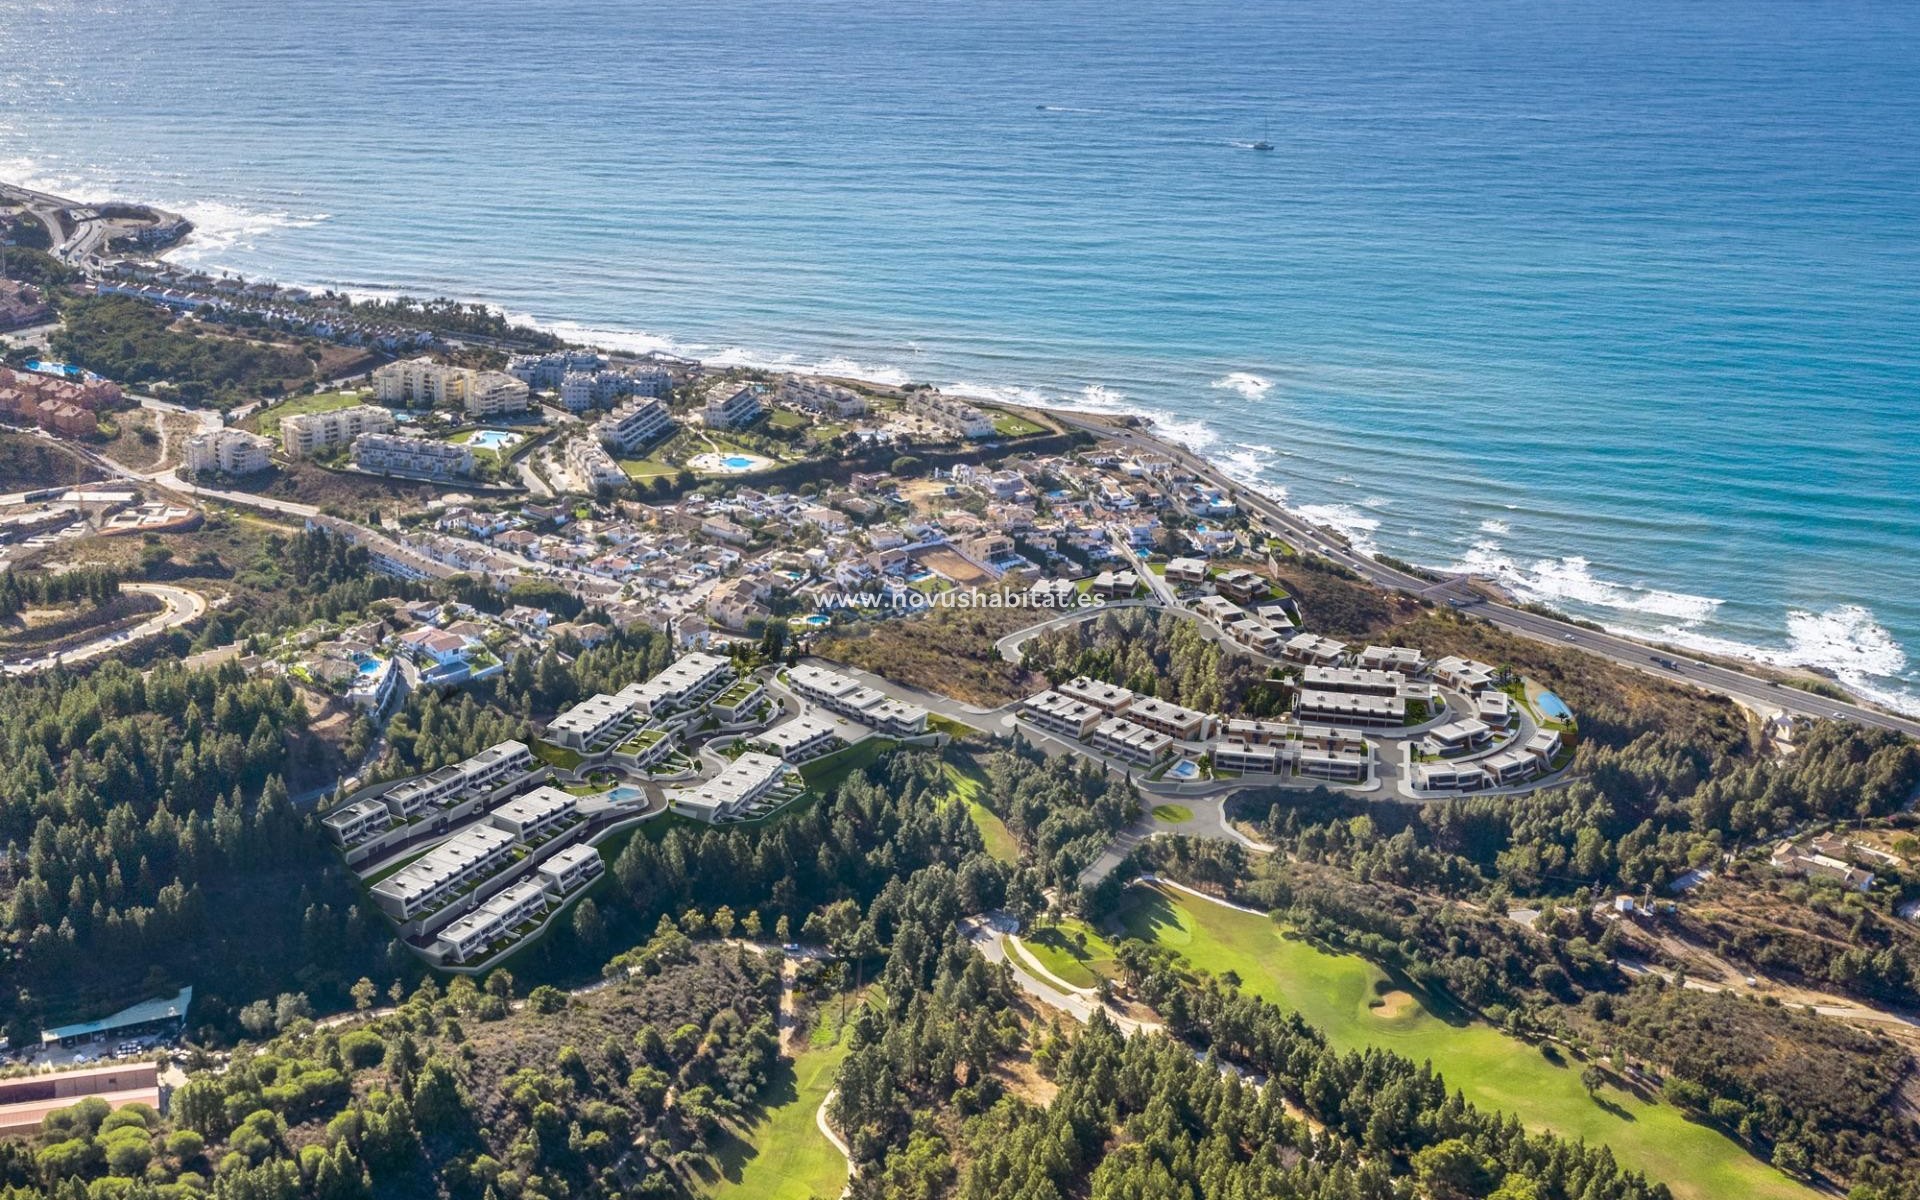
point(784, 419)
point(1172, 814)
point(1007, 425)
point(555, 756)
point(267, 420)
point(1073, 951)
point(964, 784)
point(824, 774)
point(1357, 1005)
point(782, 1155)
point(646, 468)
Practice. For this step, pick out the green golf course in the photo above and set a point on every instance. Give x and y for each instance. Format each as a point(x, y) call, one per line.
point(782, 1155)
point(965, 784)
point(1357, 1005)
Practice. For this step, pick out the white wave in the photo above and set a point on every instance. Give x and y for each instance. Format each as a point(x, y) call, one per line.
point(1847, 642)
point(1496, 528)
point(1376, 502)
point(1571, 579)
point(1195, 435)
point(1357, 527)
point(220, 227)
point(1245, 382)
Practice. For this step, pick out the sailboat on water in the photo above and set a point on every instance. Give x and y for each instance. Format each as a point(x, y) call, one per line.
point(1263, 143)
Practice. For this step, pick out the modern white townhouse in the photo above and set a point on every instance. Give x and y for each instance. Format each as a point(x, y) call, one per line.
point(1376, 711)
point(536, 814)
point(421, 458)
point(570, 869)
point(731, 794)
point(854, 700)
point(496, 918)
point(442, 873)
point(803, 738)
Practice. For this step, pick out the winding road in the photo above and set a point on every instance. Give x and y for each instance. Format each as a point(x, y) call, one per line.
point(182, 606)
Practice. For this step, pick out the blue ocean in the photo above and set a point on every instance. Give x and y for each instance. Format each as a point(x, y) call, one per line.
point(1617, 301)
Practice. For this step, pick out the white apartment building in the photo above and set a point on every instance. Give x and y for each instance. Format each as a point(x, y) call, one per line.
point(817, 396)
point(227, 452)
point(732, 406)
point(399, 454)
point(592, 467)
point(581, 390)
point(424, 383)
point(420, 383)
point(955, 416)
point(547, 370)
point(495, 393)
point(304, 434)
point(633, 425)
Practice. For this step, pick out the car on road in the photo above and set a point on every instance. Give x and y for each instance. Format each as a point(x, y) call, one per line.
point(1567, 637)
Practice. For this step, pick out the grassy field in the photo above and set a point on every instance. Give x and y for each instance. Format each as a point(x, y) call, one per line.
point(1009, 426)
point(824, 774)
point(1073, 951)
point(267, 421)
point(964, 784)
point(782, 1155)
point(1172, 814)
point(1356, 1005)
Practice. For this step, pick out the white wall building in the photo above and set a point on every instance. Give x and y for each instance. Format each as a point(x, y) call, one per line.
point(633, 425)
point(304, 434)
point(227, 452)
point(424, 458)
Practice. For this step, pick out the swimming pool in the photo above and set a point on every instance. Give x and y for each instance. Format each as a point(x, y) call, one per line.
point(1183, 770)
point(1552, 707)
point(492, 439)
point(369, 665)
point(44, 367)
point(817, 621)
point(625, 793)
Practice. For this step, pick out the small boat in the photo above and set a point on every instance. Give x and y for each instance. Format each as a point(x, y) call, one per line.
point(1263, 143)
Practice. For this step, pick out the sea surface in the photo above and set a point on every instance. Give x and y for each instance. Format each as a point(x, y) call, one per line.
point(1617, 301)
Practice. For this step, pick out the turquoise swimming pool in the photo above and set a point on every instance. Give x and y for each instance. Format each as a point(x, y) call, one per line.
point(1553, 708)
point(492, 439)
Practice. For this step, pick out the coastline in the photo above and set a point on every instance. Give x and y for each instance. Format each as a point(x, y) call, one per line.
point(1766, 663)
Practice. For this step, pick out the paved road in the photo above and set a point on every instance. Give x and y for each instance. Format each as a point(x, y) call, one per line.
point(1739, 685)
point(182, 606)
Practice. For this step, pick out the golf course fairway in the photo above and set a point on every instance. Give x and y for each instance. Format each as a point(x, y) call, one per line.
point(782, 1154)
point(1356, 1005)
